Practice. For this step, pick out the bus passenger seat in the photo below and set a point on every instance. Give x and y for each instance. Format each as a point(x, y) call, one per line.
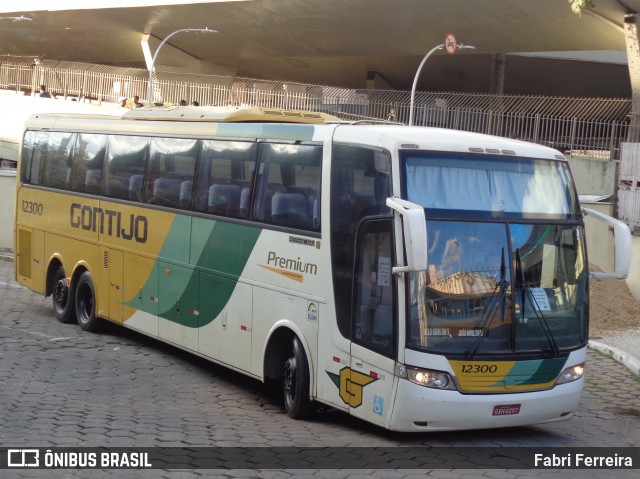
point(290, 209)
point(185, 194)
point(135, 187)
point(244, 202)
point(166, 190)
point(92, 181)
point(224, 199)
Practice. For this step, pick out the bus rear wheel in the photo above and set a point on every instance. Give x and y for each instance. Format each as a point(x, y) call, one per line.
point(62, 296)
point(295, 379)
point(85, 303)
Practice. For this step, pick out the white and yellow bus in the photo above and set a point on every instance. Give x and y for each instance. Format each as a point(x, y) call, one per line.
point(419, 279)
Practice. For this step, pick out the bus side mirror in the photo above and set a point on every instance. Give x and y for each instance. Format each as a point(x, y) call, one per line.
point(415, 234)
point(622, 245)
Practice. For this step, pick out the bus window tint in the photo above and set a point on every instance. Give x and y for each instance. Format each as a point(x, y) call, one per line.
point(126, 158)
point(55, 159)
point(223, 181)
point(88, 157)
point(288, 186)
point(359, 189)
point(170, 175)
point(373, 324)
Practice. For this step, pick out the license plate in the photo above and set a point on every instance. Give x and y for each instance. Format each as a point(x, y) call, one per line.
point(506, 409)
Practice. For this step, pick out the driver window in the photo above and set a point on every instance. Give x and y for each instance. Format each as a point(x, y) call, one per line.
point(374, 315)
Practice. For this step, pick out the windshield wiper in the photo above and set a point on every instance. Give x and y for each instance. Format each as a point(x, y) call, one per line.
point(524, 290)
point(497, 299)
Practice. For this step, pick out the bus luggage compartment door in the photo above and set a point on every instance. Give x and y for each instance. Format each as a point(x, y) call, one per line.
point(30, 258)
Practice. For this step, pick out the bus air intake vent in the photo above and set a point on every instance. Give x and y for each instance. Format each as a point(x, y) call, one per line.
point(105, 260)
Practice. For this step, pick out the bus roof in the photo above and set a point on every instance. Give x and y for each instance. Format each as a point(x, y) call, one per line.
point(403, 137)
point(255, 122)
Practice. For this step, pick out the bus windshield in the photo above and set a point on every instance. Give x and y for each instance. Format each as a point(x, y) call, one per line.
point(506, 285)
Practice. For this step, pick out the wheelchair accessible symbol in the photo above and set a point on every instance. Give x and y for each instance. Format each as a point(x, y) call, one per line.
point(378, 405)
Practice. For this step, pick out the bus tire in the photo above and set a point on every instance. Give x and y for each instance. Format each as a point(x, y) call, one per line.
point(295, 379)
point(85, 303)
point(63, 297)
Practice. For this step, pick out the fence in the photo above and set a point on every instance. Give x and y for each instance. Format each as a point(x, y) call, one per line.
point(592, 127)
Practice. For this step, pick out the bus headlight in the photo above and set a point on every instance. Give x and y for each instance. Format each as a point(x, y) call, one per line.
point(571, 374)
point(430, 379)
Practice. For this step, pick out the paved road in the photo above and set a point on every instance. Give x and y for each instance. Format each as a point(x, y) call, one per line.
point(60, 386)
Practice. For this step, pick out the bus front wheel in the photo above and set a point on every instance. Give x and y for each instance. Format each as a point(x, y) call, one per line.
point(296, 383)
point(62, 296)
point(85, 303)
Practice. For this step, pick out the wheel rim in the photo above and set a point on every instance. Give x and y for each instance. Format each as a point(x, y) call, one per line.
point(85, 304)
point(290, 379)
point(61, 294)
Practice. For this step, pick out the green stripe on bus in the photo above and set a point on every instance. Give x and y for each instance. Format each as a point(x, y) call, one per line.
point(220, 247)
point(537, 371)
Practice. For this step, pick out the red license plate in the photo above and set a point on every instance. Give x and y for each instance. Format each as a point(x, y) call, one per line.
point(506, 409)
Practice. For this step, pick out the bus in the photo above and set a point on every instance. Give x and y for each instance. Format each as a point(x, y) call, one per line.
point(416, 278)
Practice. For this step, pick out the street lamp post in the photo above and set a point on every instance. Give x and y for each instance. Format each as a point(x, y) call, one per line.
point(458, 46)
point(155, 56)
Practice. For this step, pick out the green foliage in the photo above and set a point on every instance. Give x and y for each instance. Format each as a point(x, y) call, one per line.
point(579, 5)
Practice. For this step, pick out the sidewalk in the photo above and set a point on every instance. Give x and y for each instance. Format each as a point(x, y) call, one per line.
point(623, 347)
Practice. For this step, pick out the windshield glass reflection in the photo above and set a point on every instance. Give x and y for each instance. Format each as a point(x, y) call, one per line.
point(478, 297)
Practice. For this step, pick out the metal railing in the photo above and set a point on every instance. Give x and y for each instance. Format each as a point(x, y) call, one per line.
point(592, 127)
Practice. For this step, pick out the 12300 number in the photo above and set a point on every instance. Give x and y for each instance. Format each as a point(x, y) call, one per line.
point(32, 207)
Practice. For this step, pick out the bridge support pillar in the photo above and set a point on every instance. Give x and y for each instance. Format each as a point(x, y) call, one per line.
point(631, 31)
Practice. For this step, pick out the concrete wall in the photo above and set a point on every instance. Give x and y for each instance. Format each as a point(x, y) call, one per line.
point(8, 150)
point(594, 177)
point(7, 202)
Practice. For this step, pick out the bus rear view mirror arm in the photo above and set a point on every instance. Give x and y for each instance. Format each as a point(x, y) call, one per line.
point(622, 245)
point(415, 234)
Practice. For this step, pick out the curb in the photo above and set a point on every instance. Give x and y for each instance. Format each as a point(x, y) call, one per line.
point(618, 355)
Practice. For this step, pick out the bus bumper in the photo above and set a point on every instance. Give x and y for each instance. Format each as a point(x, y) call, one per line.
point(418, 408)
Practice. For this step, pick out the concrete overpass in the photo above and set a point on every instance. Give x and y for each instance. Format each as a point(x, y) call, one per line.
point(354, 43)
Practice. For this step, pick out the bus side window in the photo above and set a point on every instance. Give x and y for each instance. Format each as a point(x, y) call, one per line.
point(57, 159)
point(88, 158)
point(288, 186)
point(31, 157)
point(172, 163)
point(126, 157)
point(223, 178)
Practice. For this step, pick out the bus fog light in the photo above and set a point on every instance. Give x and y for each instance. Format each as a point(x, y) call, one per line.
point(431, 379)
point(571, 374)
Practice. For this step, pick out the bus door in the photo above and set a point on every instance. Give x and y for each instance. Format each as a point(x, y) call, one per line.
point(374, 329)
